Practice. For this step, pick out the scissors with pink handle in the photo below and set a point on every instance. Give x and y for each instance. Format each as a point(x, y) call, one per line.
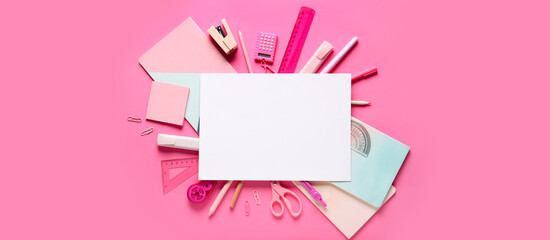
point(279, 193)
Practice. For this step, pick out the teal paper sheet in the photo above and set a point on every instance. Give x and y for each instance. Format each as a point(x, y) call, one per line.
point(373, 170)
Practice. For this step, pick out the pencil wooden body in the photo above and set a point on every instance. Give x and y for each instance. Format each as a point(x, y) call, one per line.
point(353, 102)
point(236, 194)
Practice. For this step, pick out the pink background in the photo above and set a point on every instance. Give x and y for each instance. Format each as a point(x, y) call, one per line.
point(464, 83)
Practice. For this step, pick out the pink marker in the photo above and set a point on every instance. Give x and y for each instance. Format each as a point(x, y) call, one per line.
point(316, 195)
point(364, 74)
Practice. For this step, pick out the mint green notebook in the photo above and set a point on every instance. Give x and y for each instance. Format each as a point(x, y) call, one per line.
point(375, 160)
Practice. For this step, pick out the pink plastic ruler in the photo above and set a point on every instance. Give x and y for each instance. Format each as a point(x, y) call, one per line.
point(168, 183)
point(297, 40)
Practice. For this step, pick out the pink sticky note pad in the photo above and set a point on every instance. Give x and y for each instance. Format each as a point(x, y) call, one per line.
point(167, 103)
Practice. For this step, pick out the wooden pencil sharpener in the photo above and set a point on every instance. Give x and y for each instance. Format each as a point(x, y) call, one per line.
point(223, 36)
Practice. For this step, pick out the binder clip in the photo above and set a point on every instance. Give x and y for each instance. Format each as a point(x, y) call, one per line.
point(223, 37)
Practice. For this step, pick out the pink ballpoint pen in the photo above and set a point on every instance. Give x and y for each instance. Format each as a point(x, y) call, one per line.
point(364, 74)
point(316, 195)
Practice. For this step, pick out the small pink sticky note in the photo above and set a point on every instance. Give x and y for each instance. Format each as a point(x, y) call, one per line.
point(167, 103)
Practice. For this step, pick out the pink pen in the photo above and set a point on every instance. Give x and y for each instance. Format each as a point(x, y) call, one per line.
point(316, 195)
point(364, 74)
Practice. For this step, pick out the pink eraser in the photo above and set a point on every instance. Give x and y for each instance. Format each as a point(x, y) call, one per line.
point(323, 50)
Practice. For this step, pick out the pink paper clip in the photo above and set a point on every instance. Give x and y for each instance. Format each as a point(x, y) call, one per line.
point(134, 119)
point(147, 131)
point(256, 197)
point(247, 208)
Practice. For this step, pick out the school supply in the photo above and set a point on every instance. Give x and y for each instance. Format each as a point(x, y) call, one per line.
point(250, 132)
point(167, 103)
point(374, 164)
point(219, 197)
point(224, 37)
point(360, 103)
point(347, 212)
point(318, 58)
point(360, 138)
point(266, 67)
point(134, 119)
point(314, 193)
point(280, 193)
point(256, 197)
point(177, 58)
point(188, 143)
point(199, 191)
point(246, 208)
point(266, 44)
point(236, 194)
point(364, 74)
point(340, 55)
point(245, 53)
point(147, 131)
point(297, 40)
point(189, 167)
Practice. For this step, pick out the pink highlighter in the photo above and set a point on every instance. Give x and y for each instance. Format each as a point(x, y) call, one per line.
point(316, 195)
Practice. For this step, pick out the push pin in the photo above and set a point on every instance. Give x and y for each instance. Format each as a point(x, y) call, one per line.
point(223, 37)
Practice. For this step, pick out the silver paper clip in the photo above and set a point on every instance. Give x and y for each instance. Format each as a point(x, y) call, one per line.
point(147, 131)
point(134, 119)
point(256, 197)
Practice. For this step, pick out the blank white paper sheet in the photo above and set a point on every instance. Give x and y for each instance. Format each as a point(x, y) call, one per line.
point(275, 127)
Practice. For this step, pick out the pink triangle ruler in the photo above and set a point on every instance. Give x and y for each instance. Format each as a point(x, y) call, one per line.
point(297, 40)
point(191, 166)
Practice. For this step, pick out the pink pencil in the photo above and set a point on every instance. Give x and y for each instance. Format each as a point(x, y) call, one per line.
point(364, 74)
point(244, 52)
